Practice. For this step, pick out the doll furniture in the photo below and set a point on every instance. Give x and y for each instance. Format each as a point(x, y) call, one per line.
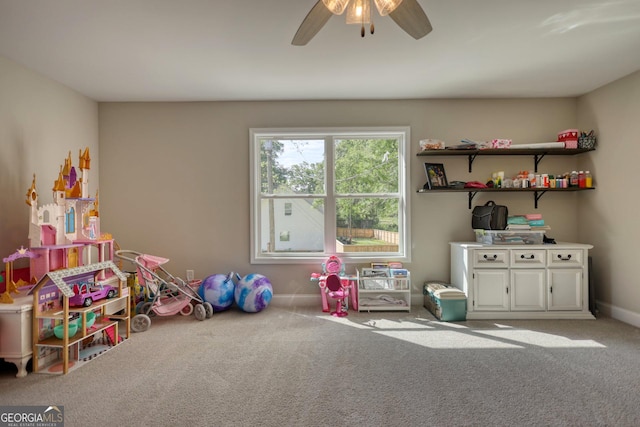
point(340, 293)
point(334, 268)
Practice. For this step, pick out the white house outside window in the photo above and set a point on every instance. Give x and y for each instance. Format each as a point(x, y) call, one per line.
point(348, 187)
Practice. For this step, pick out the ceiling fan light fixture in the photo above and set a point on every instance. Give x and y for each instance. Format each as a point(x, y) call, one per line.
point(407, 14)
point(359, 12)
point(336, 6)
point(385, 7)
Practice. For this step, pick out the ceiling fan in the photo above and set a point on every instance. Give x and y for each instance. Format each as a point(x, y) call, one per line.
point(408, 14)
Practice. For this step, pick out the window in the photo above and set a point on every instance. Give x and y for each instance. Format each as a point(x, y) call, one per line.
point(348, 188)
point(70, 221)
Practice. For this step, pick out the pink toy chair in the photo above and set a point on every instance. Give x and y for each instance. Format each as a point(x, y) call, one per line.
point(338, 292)
point(334, 285)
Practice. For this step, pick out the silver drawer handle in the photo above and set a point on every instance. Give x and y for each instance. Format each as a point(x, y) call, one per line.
point(491, 259)
point(529, 257)
point(568, 258)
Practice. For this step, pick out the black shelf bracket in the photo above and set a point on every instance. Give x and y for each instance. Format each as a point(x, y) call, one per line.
point(537, 195)
point(536, 159)
point(472, 194)
point(472, 157)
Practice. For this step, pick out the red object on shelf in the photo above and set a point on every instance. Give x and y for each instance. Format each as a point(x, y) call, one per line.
point(569, 137)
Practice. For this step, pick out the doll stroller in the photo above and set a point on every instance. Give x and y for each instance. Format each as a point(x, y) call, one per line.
point(163, 293)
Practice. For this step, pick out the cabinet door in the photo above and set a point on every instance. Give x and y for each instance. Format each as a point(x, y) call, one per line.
point(565, 288)
point(491, 290)
point(528, 290)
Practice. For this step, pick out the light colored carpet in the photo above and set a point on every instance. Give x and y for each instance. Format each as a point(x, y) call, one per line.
point(300, 367)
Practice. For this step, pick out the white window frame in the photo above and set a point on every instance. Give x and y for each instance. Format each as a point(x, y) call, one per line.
point(402, 133)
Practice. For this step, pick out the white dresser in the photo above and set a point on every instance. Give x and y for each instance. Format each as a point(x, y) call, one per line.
point(522, 281)
point(15, 332)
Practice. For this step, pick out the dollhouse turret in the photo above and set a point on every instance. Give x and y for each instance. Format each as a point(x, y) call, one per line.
point(85, 165)
point(63, 232)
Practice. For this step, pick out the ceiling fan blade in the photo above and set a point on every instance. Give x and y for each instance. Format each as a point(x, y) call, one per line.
point(412, 19)
point(314, 21)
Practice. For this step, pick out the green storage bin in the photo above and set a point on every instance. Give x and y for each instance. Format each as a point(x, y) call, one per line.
point(446, 302)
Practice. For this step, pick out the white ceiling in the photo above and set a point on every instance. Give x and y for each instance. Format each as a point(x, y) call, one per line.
point(186, 50)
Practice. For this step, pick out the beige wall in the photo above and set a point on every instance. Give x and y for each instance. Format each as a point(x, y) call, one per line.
point(175, 176)
point(40, 122)
point(609, 215)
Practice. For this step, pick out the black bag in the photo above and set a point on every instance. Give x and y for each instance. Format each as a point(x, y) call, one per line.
point(489, 217)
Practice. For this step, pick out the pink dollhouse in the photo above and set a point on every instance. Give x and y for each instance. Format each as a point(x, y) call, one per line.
point(66, 233)
point(65, 242)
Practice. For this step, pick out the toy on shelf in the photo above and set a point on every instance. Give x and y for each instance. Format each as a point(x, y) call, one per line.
point(164, 294)
point(12, 286)
point(334, 283)
point(88, 292)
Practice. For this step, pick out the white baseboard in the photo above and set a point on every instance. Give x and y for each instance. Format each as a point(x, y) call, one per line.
point(296, 300)
point(620, 314)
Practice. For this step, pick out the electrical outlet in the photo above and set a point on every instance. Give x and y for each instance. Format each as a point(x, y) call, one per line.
point(190, 275)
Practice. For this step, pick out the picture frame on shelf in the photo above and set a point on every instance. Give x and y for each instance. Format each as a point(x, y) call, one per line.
point(436, 176)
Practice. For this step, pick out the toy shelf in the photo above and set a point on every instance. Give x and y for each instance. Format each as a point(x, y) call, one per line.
point(59, 312)
point(384, 289)
point(79, 336)
point(51, 308)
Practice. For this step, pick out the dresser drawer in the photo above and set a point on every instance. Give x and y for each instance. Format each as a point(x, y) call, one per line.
point(525, 258)
point(565, 258)
point(488, 258)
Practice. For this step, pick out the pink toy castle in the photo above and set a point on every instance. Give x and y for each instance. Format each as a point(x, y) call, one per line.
point(66, 233)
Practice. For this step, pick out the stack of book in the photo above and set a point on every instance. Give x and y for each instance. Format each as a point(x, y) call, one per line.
point(533, 222)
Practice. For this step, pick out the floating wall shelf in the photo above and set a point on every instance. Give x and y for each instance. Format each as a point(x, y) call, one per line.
point(538, 155)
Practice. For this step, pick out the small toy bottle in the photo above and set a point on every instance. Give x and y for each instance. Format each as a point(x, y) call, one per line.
point(573, 179)
point(588, 179)
point(562, 181)
point(581, 180)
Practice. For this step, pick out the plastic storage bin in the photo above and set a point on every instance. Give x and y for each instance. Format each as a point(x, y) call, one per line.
point(510, 237)
point(445, 302)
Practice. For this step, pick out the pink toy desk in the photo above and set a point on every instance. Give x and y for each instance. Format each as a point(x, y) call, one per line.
point(347, 281)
